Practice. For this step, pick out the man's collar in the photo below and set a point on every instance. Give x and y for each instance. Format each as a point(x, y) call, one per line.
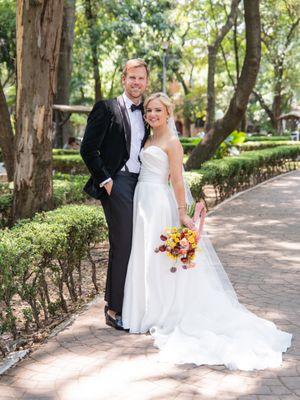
point(128, 102)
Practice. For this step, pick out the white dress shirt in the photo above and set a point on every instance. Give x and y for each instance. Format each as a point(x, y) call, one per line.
point(137, 135)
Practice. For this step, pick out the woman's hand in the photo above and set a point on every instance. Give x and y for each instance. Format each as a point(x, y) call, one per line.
point(187, 221)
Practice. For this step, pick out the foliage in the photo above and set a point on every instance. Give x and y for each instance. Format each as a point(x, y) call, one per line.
point(232, 174)
point(250, 143)
point(235, 139)
point(122, 30)
point(67, 189)
point(51, 246)
point(7, 38)
point(267, 138)
point(72, 164)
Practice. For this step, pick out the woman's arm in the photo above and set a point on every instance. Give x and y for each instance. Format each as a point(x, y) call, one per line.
point(175, 154)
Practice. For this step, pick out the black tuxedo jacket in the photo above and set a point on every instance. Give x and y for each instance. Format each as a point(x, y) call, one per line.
point(105, 147)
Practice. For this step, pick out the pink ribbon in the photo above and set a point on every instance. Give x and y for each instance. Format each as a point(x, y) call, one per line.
point(199, 217)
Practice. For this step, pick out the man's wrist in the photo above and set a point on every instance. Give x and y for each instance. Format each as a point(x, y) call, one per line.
point(105, 182)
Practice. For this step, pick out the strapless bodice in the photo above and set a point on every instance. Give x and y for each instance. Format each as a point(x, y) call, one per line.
point(155, 165)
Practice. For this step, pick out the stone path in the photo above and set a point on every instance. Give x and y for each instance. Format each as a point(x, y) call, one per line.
point(257, 237)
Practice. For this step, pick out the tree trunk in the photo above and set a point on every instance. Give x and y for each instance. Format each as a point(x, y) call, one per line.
point(186, 107)
point(187, 126)
point(210, 89)
point(276, 107)
point(91, 21)
point(238, 104)
point(264, 106)
point(64, 71)
point(6, 137)
point(212, 57)
point(39, 26)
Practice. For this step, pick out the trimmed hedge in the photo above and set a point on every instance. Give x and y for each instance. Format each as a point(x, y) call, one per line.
point(227, 176)
point(232, 174)
point(64, 152)
point(70, 164)
point(258, 143)
point(66, 189)
point(46, 251)
point(264, 144)
point(267, 138)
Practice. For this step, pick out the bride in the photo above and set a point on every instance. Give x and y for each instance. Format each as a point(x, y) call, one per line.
point(193, 315)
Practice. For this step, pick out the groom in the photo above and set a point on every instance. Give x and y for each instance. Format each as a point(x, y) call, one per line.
point(114, 136)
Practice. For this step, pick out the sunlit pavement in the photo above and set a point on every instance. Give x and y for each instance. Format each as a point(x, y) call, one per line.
point(257, 236)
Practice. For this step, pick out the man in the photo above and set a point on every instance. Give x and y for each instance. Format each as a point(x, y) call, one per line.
point(110, 148)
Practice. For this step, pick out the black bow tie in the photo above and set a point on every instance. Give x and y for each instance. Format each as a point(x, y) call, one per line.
point(133, 107)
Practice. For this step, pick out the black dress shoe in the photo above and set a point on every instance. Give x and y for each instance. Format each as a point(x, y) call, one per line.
point(114, 322)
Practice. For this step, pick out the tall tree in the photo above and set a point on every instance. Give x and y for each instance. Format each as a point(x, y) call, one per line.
point(238, 104)
point(7, 79)
point(280, 34)
point(6, 136)
point(39, 26)
point(91, 18)
point(212, 55)
point(64, 130)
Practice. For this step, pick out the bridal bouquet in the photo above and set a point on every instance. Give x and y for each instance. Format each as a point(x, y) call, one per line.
point(179, 243)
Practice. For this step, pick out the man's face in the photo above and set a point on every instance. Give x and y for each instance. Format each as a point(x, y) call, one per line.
point(135, 82)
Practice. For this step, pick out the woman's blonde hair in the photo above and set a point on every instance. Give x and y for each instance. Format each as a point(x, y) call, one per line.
point(164, 99)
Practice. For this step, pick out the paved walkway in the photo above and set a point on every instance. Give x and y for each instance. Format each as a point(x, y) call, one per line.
point(257, 237)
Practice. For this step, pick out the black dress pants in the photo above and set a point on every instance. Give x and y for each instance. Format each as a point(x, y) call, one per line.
point(118, 209)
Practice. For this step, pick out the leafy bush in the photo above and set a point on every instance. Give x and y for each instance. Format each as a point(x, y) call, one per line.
point(66, 189)
point(71, 164)
point(233, 174)
point(259, 143)
point(48, 248)
point(267, 138)
point(264, 144)
point(61, 152)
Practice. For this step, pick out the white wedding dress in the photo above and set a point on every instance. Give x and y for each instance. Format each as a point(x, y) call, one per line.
point(193, 315)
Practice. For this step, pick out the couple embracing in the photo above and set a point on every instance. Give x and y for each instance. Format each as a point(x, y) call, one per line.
point(193, 315)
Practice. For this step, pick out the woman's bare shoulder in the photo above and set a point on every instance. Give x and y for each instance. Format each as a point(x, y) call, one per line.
point(174, 144)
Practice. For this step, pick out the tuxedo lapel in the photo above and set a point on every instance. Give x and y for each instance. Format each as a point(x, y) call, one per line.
point(126, 122)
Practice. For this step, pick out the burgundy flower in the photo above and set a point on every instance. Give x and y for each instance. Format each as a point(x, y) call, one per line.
point(163, 238)
point(162, 248)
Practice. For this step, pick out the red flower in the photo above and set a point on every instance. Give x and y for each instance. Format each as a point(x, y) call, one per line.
point(163, 238)
point(162, 248)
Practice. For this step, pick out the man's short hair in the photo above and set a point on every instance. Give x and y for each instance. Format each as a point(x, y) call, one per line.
point(135, 63)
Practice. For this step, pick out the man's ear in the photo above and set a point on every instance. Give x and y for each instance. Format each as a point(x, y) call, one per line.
point(122, 79)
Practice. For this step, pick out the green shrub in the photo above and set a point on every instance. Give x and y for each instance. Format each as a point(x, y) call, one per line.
point(67, 189)
point(267, 138)
point(266, 144)
point(64, 152)
point(258, 143)
point(70, 164)
point(48, 249)
point(233, 174)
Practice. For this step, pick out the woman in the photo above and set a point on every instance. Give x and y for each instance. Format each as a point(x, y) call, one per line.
point(193, 315)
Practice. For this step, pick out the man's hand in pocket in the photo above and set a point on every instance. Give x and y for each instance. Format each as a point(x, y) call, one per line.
point(108, 187)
